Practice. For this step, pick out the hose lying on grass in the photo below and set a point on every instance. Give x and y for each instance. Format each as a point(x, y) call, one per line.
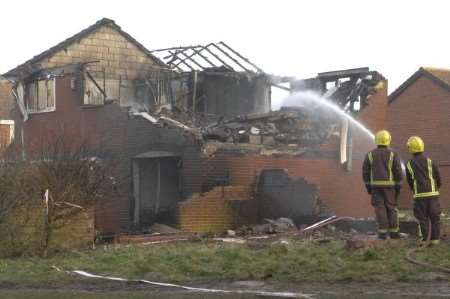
point(410, 257)
point(204, 290)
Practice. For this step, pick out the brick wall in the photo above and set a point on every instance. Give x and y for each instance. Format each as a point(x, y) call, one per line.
point(113, 51)
point(423, 109)
point(342, 191)
point(108, 129)
point(220, 209)
point(6, 100)
point(374, 117)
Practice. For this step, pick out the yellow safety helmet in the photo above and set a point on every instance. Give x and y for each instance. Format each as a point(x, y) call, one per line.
point(383, 137)
point(415, 145)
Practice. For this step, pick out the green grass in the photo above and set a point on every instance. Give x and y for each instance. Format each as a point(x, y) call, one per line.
point(300, 261)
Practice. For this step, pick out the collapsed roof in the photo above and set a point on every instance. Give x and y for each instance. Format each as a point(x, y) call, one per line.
point(307, 125)
point(294, 125)
point(211, 57)
point(350, 89)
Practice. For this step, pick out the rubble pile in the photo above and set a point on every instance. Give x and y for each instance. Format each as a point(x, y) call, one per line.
point(300, 126)
point(290, 125)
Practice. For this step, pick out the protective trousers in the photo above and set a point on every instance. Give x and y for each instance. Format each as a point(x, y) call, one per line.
point(384, 201)
point(427, 211)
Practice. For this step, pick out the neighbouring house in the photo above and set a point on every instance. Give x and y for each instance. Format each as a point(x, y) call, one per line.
point(421, 106)
point(7, 105)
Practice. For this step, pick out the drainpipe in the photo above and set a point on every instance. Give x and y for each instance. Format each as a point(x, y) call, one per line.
point(343, 141)
point(158, 186)
point(194, 92)
point(24, 157)
point(349, 149)
point(136, 195)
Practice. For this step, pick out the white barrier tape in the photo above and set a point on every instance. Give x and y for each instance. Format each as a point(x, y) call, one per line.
point(204, 290)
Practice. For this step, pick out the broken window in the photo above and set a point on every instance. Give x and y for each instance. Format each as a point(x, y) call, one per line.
point(155, 90)
point(6, 133)
point(41, 96)
point(94, 94)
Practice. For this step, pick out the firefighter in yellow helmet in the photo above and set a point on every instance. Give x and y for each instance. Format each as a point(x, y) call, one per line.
point(382, 175)
point(425, 181)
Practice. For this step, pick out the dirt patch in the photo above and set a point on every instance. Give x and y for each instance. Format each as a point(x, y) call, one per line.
point(319, 290)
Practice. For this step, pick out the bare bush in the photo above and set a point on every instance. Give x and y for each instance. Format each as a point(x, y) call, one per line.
point(65, 177)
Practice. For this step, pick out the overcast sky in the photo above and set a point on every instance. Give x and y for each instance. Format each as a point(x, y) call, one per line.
point(295, 38)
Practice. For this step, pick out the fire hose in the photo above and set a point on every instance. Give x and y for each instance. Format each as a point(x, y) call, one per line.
point(410, 254)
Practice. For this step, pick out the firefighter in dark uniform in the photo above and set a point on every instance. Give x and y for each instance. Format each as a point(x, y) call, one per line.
point(382, 175)
point(425, 181)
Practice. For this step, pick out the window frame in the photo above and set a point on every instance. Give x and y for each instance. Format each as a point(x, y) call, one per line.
point(27, 102)
point(87, 76)
point(11, 125)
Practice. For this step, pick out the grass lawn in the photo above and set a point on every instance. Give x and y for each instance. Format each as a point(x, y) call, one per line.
point(299, 261)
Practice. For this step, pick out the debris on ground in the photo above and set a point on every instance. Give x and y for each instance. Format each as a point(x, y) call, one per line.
point(272, 226)
point(282, 224)
point(157, 228)
point(231, 233)
point(149, 239)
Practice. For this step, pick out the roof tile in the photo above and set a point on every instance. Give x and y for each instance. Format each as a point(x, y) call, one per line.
point(440, 73)
point(102, 22)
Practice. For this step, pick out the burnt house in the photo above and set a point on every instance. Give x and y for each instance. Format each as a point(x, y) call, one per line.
point(104, 89)
point(83, 89)
point(191, 128)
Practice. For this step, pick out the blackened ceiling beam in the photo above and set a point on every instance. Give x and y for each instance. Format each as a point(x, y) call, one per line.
point(240, 56)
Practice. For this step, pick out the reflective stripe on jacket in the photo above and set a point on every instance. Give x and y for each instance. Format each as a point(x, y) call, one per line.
point(382, 168)
point(423, 176)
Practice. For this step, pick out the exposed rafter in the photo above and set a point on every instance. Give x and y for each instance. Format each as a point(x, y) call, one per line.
point(210, 57)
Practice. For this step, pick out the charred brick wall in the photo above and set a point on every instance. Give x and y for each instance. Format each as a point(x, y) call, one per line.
point(423, 109)
point(342, 191)
point(110, 131)
point(231, 96)
point(114, 53)
point(122, 137)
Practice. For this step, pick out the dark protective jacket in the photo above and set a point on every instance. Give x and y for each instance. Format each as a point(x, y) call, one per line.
point(423, 176)
point(382, 168)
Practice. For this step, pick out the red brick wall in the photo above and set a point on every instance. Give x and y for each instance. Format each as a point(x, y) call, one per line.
point(342, 191)
point(110, 131)
point(6, 100)
point(423, 109)
point(122, 137)
point(374, 117)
